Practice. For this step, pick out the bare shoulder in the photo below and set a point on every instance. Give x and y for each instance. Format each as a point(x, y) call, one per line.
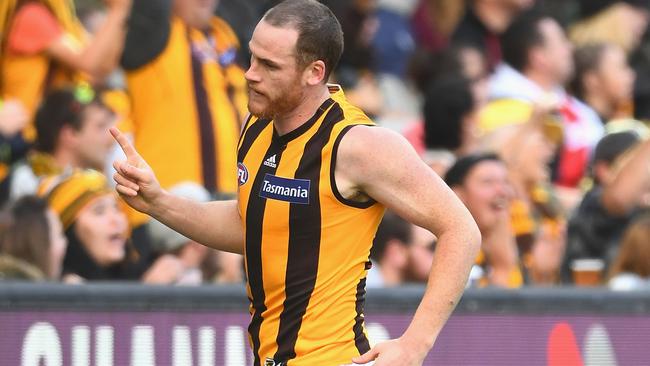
point(380, 164)
point(367, 144)
point(371, 160)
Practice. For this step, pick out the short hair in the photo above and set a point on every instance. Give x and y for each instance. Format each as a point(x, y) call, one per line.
point(319, 32)
point(62, 107)
point(446, 102)
point(391, 227)
point(614, 145)
point(586, 59)
point(520, 37)
point(458, 172)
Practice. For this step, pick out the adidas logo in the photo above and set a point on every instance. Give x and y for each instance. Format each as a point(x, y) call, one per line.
point(270, 162)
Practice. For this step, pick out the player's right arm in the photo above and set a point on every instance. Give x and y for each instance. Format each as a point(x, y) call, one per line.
point(214, 224)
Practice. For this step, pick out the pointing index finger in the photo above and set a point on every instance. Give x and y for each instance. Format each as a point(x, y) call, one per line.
point(125, 144)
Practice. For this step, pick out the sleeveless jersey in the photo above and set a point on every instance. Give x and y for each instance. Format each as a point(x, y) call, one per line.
point(307, 247)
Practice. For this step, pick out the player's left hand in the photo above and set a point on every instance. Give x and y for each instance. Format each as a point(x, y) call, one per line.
point(392, 353)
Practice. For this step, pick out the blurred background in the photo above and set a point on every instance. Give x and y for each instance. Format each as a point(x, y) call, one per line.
point(534, 112)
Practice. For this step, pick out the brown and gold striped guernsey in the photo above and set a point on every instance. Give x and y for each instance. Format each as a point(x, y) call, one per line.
point(307, 247)
point(195, 108)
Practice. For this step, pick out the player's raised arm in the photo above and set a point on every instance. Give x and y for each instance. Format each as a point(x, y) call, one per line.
point(215, 224)
point(380, 164)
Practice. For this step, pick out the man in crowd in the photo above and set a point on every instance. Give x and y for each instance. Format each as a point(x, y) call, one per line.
point(481, 182)
point(537, 63)
point(187, 91)
point(71, 129)
point(620, 192)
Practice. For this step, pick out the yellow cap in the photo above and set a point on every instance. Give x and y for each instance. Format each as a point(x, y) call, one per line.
point(68, 193)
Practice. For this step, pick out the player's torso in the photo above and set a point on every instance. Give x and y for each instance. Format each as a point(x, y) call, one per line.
point(306, 247)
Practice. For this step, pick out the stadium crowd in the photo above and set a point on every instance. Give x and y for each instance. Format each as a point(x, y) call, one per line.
point(534, 112)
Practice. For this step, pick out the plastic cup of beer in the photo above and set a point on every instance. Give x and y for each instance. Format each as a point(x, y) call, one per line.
point(588, 271)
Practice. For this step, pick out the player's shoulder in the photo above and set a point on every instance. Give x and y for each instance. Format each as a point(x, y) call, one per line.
point(367, 143)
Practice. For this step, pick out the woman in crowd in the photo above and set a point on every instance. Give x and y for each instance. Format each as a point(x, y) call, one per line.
point(32, 244)
point(94, 223)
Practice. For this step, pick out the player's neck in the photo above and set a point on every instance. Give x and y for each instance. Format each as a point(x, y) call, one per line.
point(302, 112)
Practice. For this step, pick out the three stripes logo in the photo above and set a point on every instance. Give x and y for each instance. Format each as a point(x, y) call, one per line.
point(271, 362)
point(270, 162)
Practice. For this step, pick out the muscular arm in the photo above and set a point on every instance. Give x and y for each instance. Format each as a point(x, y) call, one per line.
point(215, 224)
point(382, 165)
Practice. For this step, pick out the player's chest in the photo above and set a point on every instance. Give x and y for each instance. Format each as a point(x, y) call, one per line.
point(275, 174)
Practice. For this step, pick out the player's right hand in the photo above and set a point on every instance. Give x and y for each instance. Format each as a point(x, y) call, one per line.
point(136, 182)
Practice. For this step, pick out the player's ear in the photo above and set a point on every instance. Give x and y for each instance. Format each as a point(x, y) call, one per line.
point(315, 73)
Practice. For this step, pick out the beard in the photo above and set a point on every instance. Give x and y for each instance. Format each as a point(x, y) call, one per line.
point(284, 101)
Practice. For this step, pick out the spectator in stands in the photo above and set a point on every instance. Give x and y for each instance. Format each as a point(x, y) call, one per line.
point(32, 244)
point(389, 253)
point(481, 182)
point(45, 46)
point(483, 24)
point(631, 267)
point(604, 80)
point(356, 69)
point(359, 24)
point(622, 23)
point(393, 46)
point(454, 91)
point(72, 132)
point(244, 15)
point(393, 43)
point(450, 123)
point(420, 255)
point(621, 184)
point(187, 91)
point(94, 224)
point(536, 215)
point(465, 60)
point(434, 22)
point(538, 61)
point(181, 259)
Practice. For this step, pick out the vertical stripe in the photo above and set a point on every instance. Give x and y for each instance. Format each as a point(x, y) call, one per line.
point(360, 339)
point(335, 190)
point(254, 226)
point(249, 136)
point(304, 241)
point(206, 127)
point(243, 129)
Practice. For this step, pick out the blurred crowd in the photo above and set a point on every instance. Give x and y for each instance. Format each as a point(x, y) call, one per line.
point(535, 113)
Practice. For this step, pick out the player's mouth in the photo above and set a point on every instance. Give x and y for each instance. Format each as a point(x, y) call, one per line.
point(254, 93)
